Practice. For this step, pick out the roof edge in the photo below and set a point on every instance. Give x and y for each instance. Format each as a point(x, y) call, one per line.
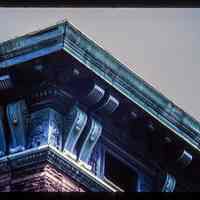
point(66, 36)
point(46, 39)
point(131, 85)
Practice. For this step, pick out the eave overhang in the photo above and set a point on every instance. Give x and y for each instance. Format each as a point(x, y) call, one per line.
point(64, 36)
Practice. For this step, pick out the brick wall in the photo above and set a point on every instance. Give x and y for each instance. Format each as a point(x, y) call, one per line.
point(39, 178)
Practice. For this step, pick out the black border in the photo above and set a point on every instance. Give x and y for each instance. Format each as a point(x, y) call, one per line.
point(98, 3)
point(89, 195)
point(87, 4)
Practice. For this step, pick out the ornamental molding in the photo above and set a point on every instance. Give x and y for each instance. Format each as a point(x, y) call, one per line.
point(49, 155)
point(65, 37)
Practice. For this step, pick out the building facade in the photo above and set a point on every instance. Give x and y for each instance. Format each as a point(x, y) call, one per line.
point(73, 118)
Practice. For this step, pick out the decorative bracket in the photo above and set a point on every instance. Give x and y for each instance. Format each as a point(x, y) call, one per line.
point(185, 159)
point(109, 105)
point(17, 120)
point(170, 183)
point(5, 82)
point(75, 121)
point(89, 138)
point(166, 182)
point(95, 94)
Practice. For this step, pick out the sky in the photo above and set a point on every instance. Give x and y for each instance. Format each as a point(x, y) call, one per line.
point(161, 45)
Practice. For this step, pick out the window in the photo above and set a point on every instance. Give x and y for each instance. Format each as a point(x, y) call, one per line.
point(119, 173)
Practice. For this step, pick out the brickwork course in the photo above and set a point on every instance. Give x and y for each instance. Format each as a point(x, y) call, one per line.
point(39, 178)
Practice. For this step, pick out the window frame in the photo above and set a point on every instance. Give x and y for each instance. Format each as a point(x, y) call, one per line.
point(119, 156)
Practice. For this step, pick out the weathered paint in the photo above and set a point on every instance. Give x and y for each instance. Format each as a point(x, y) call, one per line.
point(109, 69)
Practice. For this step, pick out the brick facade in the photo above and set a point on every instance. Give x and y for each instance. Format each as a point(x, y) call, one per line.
point(39, 178)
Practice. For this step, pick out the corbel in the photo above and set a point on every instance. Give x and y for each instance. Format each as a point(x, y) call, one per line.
point(166, 182)
point(17, 120)
point(5, 82)
point(184, 159)
point(108, 106)
point(94, 95)
point(88, 139)
point(75, 122)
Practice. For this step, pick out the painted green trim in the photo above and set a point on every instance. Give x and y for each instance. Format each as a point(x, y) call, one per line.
point(131, 85)
point(32, 45)
point(72, 41)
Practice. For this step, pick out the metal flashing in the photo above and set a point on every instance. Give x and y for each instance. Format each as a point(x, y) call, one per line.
point(65, 36)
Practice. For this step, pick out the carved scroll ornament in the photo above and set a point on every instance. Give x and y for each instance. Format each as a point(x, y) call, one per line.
point(92, 133)
point(170, 183)
point(17, 120)
point(75, 123)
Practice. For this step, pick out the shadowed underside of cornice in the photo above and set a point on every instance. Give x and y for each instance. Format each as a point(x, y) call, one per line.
point(65, 37)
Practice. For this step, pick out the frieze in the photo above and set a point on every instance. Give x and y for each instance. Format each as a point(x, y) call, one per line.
point(45, 128)
point(45, 93)
point(38, 132)
point(55, 129)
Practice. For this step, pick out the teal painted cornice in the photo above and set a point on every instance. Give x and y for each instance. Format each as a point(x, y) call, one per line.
point(64, 36)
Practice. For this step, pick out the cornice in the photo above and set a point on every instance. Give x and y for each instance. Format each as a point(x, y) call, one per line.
point(32, 45)
point(132, 86)
point(65, 36)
